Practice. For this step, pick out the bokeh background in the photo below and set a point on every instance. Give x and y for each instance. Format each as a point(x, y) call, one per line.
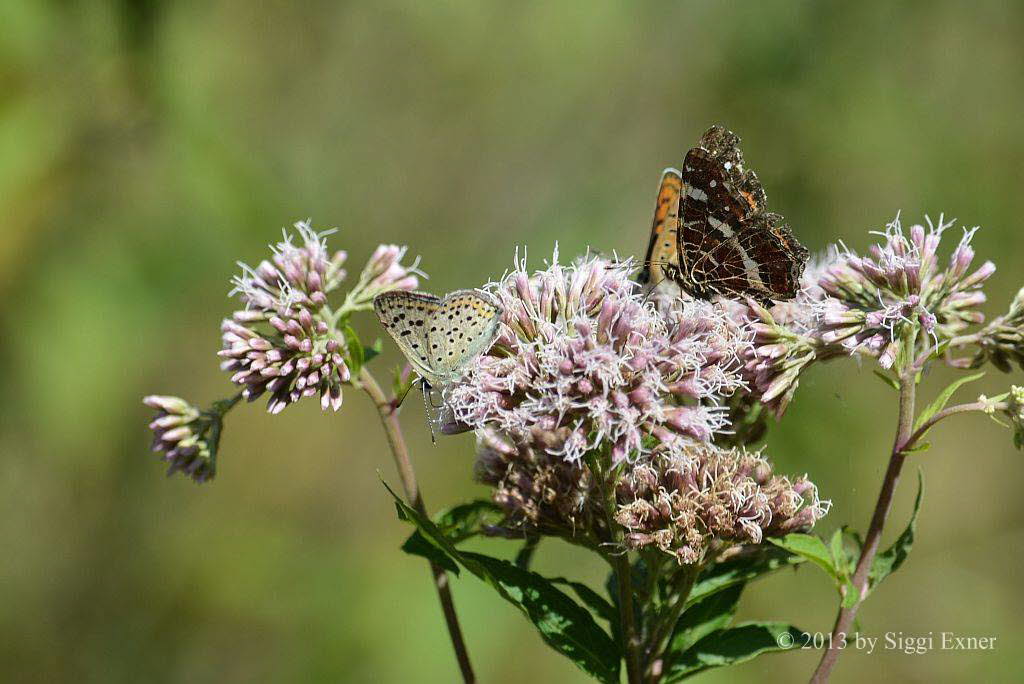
point(146, 146)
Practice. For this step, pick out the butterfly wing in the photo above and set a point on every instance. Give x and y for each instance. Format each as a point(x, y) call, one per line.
point(407, 317)
point(728, 244)
point(464, 326)
point(778, 256)
point(662, 260)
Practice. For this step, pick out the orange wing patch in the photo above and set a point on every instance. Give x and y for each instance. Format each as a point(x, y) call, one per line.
point(663, 249)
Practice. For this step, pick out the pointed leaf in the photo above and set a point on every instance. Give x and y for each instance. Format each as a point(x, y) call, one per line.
point(888, 379)
point(457, 524)
point(850, 594)
point(838, 551)
point(356, 354)
point(733, 645)
point(704, 617)
point(417, 545)
point(564, 625)
point(373, 350)
point(751, 563)
point(810, 547)
point(943, 398)
point(468, 520)
point(854, 536)
point(892, 558)
point(597, 603)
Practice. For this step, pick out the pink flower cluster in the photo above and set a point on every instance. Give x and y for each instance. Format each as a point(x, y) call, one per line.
point(286, 340)
point(584, 361)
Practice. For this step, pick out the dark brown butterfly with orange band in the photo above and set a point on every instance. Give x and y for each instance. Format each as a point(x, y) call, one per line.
point(711, 233)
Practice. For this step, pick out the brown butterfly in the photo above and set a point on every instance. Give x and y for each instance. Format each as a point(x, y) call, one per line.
point(711, 233)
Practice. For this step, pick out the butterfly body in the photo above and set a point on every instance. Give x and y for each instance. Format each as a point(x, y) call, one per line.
point(439, 336)
point(726, 243)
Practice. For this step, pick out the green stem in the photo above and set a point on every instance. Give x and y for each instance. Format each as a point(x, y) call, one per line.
point(845, 618)
point(662, 635)
point(400, 453)
point(627, 619)
point(619, 559)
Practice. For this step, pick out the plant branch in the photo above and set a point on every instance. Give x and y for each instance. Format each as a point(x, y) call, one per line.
point(619, 560)
point(912, 440)
point(400, 452)
point(663, 633)
point(844, 620)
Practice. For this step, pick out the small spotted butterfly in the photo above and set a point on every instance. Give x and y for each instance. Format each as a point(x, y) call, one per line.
point(439, 336)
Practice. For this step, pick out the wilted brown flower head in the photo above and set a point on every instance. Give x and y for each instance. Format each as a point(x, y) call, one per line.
point(687, 501)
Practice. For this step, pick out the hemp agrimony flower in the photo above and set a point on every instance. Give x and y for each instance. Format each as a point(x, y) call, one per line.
point(901, 283)
point(583, 361)
point(1015, 412)
point(288, 341)
point(187, 436)
point(538, 492)
point(700, 498)
point(867, 305)
point(1002, 340)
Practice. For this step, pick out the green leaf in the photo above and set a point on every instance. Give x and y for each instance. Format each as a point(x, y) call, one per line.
point(888, 379)
point(810, 547)
point(890, 560)
point(731, 646)
point(457, 524)
point(400, 387)
point(943, 398)
point(854, 536)
point(417, 545)
point(597, 603)
point(374, 350)
point(564, 625)
point(712, 613)
point(850, 594)
point(356, 354)
point(838, 550)
point(751, 563)
point(468, 520)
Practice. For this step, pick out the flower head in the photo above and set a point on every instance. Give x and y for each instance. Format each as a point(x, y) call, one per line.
point(536, 490)
point(698, 498)
point(187, 436)
point(873, 299)
point(385, 272)
point(1002, 340)
point(787, 338)
point(1015, 412)
point(852, 304)
point(584, 361)
point(297, 275)
point(287, 340)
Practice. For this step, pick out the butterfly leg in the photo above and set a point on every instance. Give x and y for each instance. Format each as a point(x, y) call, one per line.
point(399, 400)
point(425, 388)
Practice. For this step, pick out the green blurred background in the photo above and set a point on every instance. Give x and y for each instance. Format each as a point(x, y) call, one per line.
point(144, 147)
